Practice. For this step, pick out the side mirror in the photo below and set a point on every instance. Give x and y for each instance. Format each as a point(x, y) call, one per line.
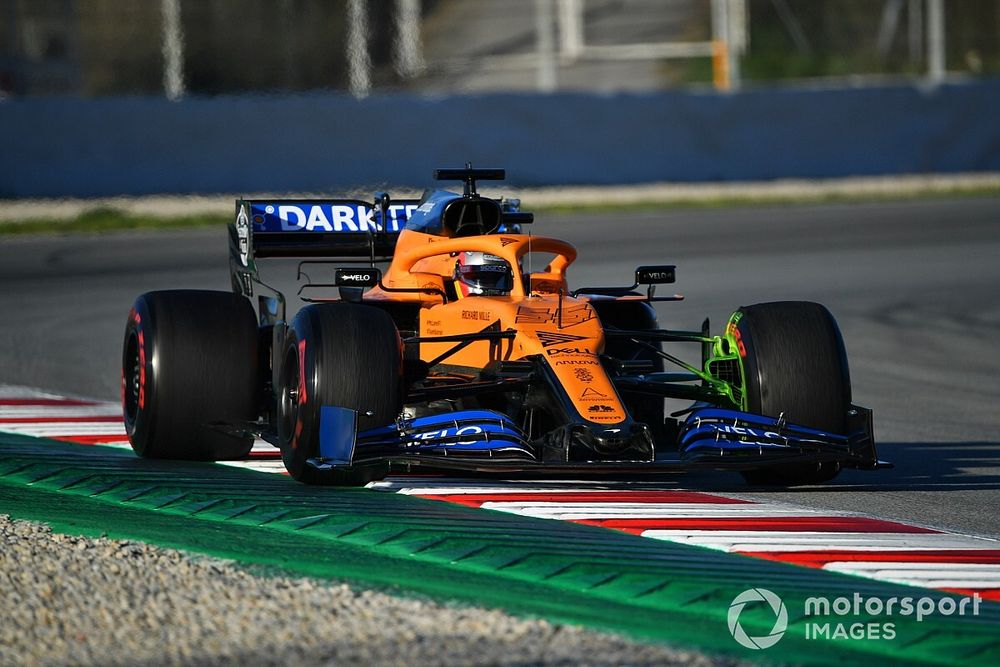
point(655, 275)
point(650, 276)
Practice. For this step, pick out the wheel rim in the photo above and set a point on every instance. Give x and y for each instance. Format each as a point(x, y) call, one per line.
point(131, 379)
point(288, 402)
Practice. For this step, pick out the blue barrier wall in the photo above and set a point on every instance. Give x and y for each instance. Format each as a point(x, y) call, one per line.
point(73, 147)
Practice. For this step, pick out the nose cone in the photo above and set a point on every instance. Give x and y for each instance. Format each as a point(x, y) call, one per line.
point(628, 441)
point(581, 374)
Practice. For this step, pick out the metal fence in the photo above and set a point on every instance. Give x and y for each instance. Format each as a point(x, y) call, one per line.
point(212, 47)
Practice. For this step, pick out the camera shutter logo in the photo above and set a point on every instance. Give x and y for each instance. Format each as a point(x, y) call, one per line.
point(780, 618)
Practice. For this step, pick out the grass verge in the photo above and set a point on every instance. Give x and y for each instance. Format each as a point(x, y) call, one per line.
point(98, 220)
point(761, 198)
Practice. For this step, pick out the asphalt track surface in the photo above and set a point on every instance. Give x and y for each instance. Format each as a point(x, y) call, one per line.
point(915, 286)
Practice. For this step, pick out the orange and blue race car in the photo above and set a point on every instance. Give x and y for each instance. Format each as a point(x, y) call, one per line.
point(441, 351)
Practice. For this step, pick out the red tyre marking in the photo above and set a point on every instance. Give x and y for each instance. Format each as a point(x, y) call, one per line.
point(142, 368)
point(302, 371)
point(302, 392)
point(731, 329)
point(133, 317)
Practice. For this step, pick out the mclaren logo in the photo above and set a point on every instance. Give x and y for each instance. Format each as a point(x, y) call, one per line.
point(551, 338)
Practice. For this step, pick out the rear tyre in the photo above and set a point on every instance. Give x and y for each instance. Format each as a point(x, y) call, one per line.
point(795, 364)
point(189, 360)
point(636, 316)
point(344, 355)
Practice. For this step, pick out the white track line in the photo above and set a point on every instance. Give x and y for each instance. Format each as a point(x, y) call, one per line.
point(69, 429)
point(59, 411)
point(780, 540)
point(264, 465)
point(264, 447)
point(435, 486)
point(585, 511)
point(928, 575)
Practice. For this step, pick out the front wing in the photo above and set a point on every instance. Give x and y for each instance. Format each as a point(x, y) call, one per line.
point(487, 441)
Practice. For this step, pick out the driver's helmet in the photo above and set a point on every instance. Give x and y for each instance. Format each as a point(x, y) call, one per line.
point(482, 273)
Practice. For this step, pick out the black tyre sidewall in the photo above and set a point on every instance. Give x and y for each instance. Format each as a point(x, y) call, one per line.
point(199, 366)
point(139, 406)
point(796, 366)
point(349, 355)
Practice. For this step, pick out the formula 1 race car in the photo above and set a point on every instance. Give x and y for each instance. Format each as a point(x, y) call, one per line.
point(456, 358)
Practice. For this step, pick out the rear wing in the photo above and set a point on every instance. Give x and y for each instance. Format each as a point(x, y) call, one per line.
point(337, 229)
point(320, 228)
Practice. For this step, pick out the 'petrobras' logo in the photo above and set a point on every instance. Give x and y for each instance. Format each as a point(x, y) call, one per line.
point(327, 217)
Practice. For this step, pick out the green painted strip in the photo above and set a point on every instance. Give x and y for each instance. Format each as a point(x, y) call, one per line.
point(572, 573)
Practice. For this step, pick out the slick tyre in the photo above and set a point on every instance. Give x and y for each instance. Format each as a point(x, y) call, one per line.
point(795, 365)
point(343, 355)
point(636, 316)
point(189, 366)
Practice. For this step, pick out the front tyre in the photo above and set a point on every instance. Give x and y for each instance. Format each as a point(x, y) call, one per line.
point(189, 375)
point(794, 363)
point(343, 355)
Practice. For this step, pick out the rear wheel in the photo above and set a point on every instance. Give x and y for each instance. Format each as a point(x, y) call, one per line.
point(795, 365)
point(343, 355)
point(189, 373)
